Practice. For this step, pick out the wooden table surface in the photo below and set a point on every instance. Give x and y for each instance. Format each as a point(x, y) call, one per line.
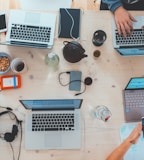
point(110, 73)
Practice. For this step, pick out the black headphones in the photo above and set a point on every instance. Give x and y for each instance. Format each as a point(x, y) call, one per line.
point(10, 136)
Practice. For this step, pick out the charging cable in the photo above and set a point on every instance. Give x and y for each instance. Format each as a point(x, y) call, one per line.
point(72, 26)
point(87, 81)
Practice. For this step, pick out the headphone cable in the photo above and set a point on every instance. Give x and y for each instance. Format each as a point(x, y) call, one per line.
point(20, 122)
point(12, 150)
point(59, 78)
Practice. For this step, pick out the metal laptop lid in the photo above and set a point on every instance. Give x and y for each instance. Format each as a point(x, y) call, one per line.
point(52, 104)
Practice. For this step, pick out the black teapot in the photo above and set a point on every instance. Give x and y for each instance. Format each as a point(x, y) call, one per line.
point(73, 51)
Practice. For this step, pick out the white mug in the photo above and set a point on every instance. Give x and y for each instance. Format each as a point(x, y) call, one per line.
point(18, 65)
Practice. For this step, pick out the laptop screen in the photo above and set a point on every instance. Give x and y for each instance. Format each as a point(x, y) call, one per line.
point(52, 104)
point(136, 83)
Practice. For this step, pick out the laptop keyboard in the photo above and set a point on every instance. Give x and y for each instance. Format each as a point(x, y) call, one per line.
point(136, 37)
point(134, 98)
point(53, 122)
point(30, 33)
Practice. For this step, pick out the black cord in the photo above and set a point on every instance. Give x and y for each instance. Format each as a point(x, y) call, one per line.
point(59, 78)
point(66, 84)
point(8, 108)
point(12, 150)
point(20, 122)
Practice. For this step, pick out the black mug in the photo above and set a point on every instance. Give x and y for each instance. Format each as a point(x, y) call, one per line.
point(99, 37)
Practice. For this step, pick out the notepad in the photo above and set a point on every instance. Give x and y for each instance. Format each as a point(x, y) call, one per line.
point(136, 150)
point(69, 23)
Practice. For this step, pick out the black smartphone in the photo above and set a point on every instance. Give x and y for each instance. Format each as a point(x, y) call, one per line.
point(3, 27)
point(75, 80)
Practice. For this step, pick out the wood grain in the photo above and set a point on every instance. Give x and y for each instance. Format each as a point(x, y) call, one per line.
point(82, 4)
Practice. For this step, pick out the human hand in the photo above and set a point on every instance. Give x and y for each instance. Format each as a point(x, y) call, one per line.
point(135, 134)
point(123, 20)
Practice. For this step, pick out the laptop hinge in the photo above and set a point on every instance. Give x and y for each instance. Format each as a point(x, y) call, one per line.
point(34, 45)
point(55, 109)
point(132, 46)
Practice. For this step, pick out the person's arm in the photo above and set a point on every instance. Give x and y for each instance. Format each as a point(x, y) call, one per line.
point(120, 151)
point(123, 18)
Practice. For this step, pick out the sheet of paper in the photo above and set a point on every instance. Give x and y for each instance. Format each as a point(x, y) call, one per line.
point(136, 152)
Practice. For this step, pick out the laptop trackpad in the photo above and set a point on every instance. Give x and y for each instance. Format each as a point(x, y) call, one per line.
point(53, 139)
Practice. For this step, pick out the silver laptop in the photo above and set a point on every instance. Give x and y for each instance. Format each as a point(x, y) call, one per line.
point(133, 44)
point(31, 29)
point(52, 124)
point(134, 100)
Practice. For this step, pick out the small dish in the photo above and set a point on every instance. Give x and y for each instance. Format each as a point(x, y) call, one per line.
point(5, 61)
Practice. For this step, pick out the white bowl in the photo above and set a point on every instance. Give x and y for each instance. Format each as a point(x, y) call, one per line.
point(2, 55)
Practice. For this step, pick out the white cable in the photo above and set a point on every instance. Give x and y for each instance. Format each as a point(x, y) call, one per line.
point(72, 26)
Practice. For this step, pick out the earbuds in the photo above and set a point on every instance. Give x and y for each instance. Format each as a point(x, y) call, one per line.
point(87, 81)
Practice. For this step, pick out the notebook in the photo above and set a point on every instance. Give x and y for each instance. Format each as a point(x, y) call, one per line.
point(134, 99)
point(69, 23)
point(31, 29)
point(52, 124)
point(132, 45)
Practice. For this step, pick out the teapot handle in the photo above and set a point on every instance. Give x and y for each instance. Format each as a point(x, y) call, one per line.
point(65, 42)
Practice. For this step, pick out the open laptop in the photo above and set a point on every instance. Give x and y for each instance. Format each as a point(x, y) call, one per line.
point(134, 99)
point(31, 29)
point(132, 45)
point(52, 124)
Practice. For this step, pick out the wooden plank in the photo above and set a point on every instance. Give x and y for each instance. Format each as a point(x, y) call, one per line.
point(82, 4)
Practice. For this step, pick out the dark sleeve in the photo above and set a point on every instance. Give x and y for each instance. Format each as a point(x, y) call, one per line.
point(113, 4)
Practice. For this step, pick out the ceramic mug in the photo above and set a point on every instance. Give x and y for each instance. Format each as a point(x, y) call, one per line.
point(18, 65)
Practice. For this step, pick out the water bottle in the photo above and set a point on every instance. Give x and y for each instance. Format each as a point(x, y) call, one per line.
point(52, 60)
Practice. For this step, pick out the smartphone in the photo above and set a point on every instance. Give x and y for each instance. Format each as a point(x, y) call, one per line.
point(75, 80)
point(3, 27)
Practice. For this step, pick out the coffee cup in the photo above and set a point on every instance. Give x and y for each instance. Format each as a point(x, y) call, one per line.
point(18, 65)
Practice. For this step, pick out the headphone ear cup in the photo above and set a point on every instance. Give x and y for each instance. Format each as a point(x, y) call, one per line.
point(9, 137)
point(14, 130)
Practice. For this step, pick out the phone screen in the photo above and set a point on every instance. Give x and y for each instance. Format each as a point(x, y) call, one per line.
point(75, 80)
point(2, 23)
